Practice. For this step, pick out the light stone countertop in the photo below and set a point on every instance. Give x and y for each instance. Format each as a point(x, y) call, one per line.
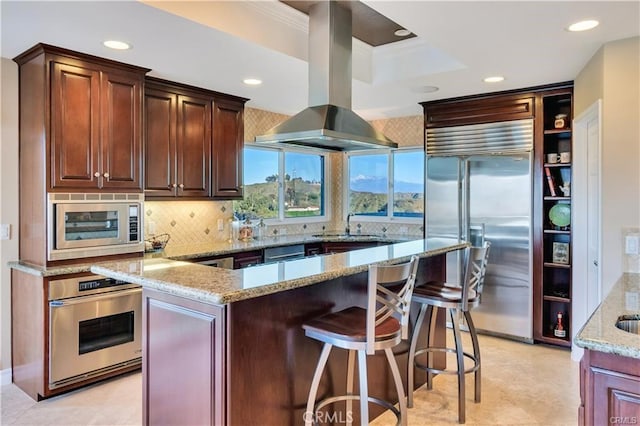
point(222, 286)
point(201, 250)
point(600, 333)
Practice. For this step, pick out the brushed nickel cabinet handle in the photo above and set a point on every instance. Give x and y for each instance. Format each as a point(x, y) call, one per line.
point(97, 174)
point(106, 175)
point(181, 185)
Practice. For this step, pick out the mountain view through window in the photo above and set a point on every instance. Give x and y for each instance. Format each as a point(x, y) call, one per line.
point(370, 189)
point(277, 181)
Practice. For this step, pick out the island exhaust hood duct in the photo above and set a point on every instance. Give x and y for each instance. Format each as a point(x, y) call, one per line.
point(329, 123)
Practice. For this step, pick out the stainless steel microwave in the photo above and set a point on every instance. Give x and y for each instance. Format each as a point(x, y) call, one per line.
point(94, 224)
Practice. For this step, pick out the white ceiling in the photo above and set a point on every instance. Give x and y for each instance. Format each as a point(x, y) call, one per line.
point(217, 44)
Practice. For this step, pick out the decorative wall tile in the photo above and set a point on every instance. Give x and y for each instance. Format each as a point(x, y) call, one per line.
point(188, 222)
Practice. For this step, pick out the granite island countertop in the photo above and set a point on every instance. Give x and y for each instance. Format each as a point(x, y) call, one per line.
point(222, 286)
point(600, 333)
point(210, 249)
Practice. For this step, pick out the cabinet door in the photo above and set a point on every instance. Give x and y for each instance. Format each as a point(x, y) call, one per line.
point(247, 258)
point(75, 127)
point(194, 146)
point(616, 397)
point(121, 130)
point(183, 367)
point(160, 143)
point(338, 247)
point(228, 141)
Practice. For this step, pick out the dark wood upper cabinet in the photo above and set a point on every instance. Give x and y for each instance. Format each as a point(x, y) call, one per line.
point(121, 114)
point(483, 109)
point(75, 135)
point(177, 141)
point(160, 142)
point(193, 142)
point(94, 115)
point(193, 145)
point(228, 142)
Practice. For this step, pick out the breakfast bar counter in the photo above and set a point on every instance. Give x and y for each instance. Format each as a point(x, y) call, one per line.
point(227, 346)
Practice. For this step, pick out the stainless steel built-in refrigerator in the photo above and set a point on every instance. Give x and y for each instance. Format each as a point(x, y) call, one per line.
point(479, 186)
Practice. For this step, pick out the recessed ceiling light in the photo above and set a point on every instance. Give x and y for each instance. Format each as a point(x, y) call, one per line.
point(252, 81)
point(402, 32)
point(118, 45)
point(583, 25)
point(494, 79)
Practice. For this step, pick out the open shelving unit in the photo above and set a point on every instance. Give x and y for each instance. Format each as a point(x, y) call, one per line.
point(555, 289)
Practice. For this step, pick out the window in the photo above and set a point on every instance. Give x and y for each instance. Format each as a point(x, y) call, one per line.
point(261, 186)
point(303, 189)
point(281, 184)
point(370, 189)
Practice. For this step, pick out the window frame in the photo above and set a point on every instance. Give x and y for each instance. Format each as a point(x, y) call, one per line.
point(326, 173)
point(389, 217)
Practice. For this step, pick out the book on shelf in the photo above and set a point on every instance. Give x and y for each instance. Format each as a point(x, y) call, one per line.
point(550, 182)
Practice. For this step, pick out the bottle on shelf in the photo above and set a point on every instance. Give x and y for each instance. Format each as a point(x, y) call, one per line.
point(559, 330)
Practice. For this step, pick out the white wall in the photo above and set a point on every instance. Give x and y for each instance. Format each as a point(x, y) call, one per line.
point(613, 75)
point(8, 198)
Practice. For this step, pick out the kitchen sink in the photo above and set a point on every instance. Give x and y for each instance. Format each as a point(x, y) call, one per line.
point(629, 323)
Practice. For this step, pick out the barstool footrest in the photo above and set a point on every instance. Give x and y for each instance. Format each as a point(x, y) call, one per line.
point(424, 367)
point(331, 400)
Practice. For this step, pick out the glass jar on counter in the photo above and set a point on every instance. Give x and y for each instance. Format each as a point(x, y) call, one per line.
point(246, 230)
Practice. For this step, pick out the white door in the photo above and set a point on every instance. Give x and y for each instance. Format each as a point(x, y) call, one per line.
point(586, 279)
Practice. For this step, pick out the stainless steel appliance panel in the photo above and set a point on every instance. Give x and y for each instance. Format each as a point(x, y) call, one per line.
point(88, 225)
point(467, 195)
point(92, 333)
point(444, 207)
point(500, 199)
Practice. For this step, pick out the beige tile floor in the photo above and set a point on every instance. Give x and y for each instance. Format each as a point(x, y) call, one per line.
point(522, 385)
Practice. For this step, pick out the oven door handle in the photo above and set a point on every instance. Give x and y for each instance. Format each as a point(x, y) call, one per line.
point(96, 298)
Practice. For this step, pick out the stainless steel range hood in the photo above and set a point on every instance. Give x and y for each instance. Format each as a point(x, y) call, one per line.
point(329, 123)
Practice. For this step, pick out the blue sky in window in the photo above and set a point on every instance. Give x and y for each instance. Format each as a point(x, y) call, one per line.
point(258, 164)
point(368, 173)
point(305, 166)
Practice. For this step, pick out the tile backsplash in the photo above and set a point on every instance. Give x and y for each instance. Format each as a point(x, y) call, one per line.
point(187, 221)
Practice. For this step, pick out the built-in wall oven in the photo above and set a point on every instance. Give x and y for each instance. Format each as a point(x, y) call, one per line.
point(94, 328)
point(94, 224)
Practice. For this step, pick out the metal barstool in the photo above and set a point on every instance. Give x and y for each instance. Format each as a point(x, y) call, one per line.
point(456, 299)
point(365, 330)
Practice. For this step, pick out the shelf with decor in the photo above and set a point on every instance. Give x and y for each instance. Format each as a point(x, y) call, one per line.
point(554, 292)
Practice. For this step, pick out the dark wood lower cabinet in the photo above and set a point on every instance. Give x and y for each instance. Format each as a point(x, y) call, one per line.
point(249, 362)
point(183, 374)
point(609, 389)
point(341, 247)
point(247, 258)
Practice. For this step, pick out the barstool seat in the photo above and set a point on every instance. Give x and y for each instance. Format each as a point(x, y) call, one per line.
point(456, 299)
point(380, 326)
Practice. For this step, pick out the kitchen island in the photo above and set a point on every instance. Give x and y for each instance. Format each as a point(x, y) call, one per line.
point(610, 366)
point(227, 347)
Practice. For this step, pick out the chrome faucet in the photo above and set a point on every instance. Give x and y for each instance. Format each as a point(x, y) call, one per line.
point(347, 230)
